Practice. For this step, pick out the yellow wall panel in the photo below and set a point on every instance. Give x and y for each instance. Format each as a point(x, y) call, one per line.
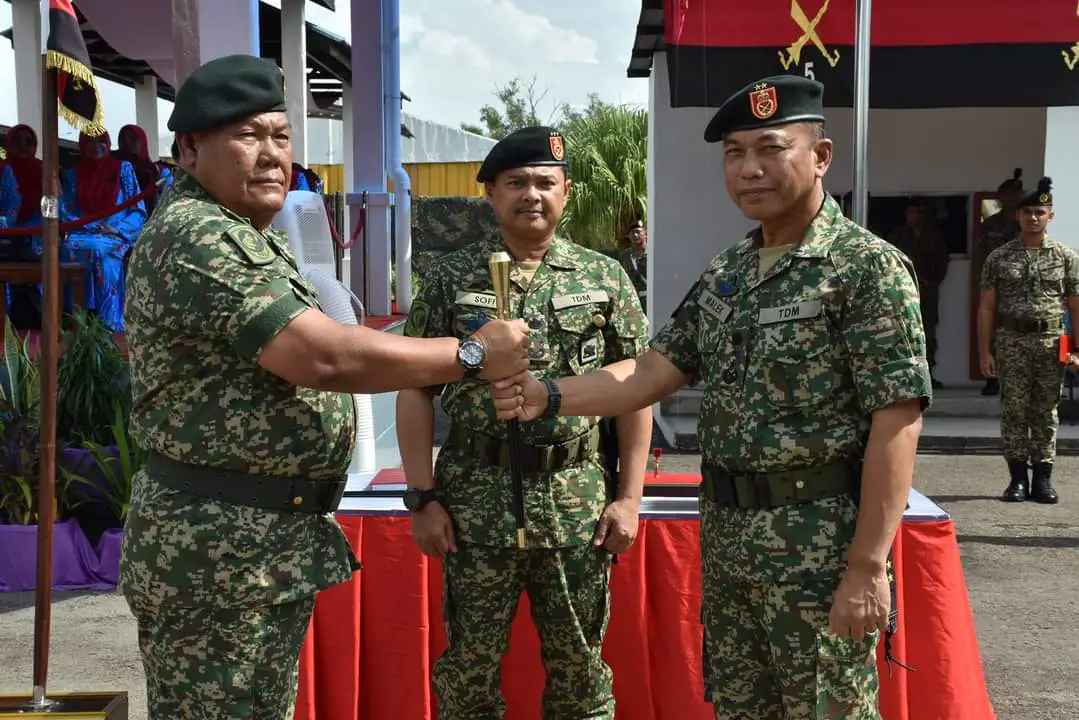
point(426, 179)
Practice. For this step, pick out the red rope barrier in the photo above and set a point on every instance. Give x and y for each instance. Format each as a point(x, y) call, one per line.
point(86, 219)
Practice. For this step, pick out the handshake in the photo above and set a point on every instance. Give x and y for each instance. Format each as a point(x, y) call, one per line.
point(517, 394)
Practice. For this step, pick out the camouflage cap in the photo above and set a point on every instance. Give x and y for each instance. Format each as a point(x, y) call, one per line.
point(537, 145)
point(776, 100)
point(226, 90)
point(1041, 196)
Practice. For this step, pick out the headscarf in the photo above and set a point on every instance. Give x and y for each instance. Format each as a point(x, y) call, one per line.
point(97, 180)
point(28, 172)
point(146, 171)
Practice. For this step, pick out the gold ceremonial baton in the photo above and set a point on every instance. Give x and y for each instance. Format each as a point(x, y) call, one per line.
point(499, 264)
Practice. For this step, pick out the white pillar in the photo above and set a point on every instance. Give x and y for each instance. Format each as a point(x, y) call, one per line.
point(348, 180)
point(370, 280)
point(26, 29)
point(228, 27)
point(1062, 164)
point(146, 113)
point(294, 63)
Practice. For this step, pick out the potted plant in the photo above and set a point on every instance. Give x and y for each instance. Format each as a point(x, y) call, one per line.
point(92, 377)
point(115, 465)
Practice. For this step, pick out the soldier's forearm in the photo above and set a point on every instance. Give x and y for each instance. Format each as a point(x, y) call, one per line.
point(378, 362)
point(634, 441)
point(415, 437)
point(620, 388)
point(887, 475)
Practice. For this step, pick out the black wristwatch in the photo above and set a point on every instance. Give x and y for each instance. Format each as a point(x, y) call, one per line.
point(554, 399)
point(471, 355)
point(416, 499)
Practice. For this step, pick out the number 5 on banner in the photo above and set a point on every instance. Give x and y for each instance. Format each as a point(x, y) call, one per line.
point(809, 71)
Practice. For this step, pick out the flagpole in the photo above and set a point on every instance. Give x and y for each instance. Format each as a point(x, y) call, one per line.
point(50, 342)
point(862, 45)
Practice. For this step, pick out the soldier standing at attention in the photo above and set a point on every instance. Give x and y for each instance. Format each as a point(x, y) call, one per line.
point(634, 258)
point(1026, 284)
point(241, 391)
point(997, 229)
point(583, 314)
point(928, 251)
point(808, 338)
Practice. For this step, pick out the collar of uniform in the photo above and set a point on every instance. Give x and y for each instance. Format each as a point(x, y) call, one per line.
point(818, 237)
point(561, 254)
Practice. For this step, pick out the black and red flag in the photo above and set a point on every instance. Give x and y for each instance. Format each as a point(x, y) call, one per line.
point(925, 53)
point(76, 86)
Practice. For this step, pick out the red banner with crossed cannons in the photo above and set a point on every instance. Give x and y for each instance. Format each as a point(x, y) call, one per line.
point(925, 53)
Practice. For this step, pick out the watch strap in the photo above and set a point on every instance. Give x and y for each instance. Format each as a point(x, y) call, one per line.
point(554, 398)
point(423, 497)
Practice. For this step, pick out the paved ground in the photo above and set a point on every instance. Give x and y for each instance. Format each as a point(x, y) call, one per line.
point(1022, 570)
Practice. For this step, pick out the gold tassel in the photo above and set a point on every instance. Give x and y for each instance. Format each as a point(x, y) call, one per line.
point(95, 126)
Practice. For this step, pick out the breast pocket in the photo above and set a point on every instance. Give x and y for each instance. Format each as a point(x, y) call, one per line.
point(580, 336)
point(799, 361)
point(712, 338)
point(1052, 278)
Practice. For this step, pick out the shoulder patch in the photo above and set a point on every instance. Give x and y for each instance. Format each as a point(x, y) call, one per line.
point(418, 319)
point(251, 243)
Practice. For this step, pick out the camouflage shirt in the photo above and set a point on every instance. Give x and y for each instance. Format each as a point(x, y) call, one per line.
point(205, 292)
point(1032, 284)
point(998, 229)
point(928, 252)
point(794, 364)
point(583, 313)
point(636, 267)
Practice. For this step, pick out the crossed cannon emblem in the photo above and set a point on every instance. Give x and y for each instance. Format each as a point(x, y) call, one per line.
point(793, 54)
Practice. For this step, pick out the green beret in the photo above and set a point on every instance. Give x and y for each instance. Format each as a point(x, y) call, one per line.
point(775, 100)
point(226, 90)
point(1041, 196)
point(528, 146)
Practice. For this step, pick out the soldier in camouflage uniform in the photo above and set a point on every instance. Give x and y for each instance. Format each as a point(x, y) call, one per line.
point(240, 398)
point(1027, 285)
point(808, 336)
point(634, 258)
point(997, 229)
point(583, 313)
point(928, 251)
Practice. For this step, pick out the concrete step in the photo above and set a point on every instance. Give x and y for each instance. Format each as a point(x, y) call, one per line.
point(944, 435)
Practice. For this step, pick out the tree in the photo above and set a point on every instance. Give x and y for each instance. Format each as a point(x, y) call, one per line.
point(520, 102)
point(608, 164)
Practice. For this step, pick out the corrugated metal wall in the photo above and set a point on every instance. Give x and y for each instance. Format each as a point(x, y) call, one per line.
point(427, 179)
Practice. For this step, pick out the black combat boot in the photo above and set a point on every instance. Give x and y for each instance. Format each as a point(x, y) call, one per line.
point(1019, 487)
point(1043, 491)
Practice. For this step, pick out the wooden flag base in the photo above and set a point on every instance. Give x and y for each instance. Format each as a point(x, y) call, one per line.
point(69, 706)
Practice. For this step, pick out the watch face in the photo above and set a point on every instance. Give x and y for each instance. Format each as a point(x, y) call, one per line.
point(471, 354)
point(412, 499)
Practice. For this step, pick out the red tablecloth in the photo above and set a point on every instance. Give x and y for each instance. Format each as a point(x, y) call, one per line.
point(371, 643)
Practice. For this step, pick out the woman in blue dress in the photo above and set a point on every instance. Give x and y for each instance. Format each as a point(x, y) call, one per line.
point(133, 146)
point(96, 183)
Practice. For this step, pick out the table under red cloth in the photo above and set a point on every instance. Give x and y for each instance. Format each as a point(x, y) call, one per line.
point(372, 642)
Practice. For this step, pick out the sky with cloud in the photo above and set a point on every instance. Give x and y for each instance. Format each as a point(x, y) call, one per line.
point(455, 53)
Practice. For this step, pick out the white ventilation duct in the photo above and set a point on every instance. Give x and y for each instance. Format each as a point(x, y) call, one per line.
point(305, 222)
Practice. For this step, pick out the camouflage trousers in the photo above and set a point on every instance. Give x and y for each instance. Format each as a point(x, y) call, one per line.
point(768, 581)
point(568, 591)
point(1031, 377)
point(209, 663)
